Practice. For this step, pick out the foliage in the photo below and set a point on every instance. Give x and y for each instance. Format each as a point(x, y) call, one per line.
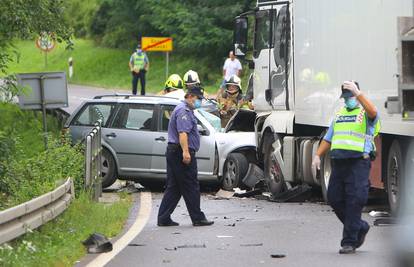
point(27, 18)
point(58, 243)
point(79, 14)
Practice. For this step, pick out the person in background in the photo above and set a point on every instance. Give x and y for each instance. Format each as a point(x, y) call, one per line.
point(138, 65)
point(232, 66)
point(350, 139)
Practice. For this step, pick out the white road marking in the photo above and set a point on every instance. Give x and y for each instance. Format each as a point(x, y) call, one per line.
point(134, 230)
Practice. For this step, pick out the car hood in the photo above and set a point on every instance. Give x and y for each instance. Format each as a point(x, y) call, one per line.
point(234, 140)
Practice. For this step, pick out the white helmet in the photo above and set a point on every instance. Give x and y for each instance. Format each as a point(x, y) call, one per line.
point(234, 80)
point(191, 78)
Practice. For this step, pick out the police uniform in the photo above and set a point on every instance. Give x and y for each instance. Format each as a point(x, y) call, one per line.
point(138, 61)
point(181, 178)
point(351, 135)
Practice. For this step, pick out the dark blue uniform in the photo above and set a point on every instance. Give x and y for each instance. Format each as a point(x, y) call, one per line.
point(348, 187)
point(181, 178)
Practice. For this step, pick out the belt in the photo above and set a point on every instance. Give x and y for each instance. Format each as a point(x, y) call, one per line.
point(174, 146)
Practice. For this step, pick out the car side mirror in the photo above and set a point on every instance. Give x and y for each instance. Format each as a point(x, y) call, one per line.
point(201, 130)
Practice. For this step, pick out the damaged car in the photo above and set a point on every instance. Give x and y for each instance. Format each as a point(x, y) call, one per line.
point(134, 138)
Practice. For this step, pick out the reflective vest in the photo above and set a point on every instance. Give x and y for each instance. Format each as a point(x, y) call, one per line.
point(350, 130)
point(139, 60)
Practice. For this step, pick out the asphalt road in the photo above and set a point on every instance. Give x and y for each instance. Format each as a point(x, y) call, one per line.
point(306, 234)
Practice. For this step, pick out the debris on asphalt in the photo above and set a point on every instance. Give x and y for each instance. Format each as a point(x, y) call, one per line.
point(376, 214)
point(97, 243)
point(278, 256)
point(299, 193)
point(170, 249)
point(223, 194)
point(252, 245)
point(193, 246)
point(385, 221)
point(249, 193)
point(226, 218)
point(176, 233)
point(136, 245)
point(239, 191)
point(166, 261)
point(232, 224)
point(131, 187)
point(253, 176)
point(224, 236)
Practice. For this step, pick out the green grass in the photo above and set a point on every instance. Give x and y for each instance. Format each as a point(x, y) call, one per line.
point(58, 243)
point(108, 68)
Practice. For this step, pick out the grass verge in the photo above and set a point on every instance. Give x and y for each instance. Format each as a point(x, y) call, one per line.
point(58, 243)
point(108, 68)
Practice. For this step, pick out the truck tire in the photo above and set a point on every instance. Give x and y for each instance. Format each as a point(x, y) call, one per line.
point(108, 169)
point(324, 175)
point(395, 169)
point(235, 168)
point(272, 171)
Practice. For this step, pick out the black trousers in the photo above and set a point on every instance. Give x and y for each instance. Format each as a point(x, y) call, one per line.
point(347, 195)
point(181, 181)
point(135, 77)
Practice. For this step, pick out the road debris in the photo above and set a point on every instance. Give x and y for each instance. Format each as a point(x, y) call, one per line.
point(252, 245)
point(176, 233)
point(376, 214)
point(97, 243)
point(223, 194)
point(186, 246)
point(224, 236)
point(232, 224)
point(253, 176)
point(277, 256)
point(131, 187)
point(249, 193)
point(136, 245)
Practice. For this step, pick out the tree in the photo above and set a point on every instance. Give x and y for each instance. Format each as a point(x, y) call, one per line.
point(23, 19)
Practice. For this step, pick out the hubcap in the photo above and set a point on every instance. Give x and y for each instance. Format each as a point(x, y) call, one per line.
point(230, 175)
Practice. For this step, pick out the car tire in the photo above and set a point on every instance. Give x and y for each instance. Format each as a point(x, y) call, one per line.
point(108, 169)
point(235, 168)
point(324, 175)
point(272, 171)
point(395, 176)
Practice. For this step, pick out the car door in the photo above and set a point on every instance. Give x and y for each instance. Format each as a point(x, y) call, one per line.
point(207, 153)
point(88, 115)
point(131, 135)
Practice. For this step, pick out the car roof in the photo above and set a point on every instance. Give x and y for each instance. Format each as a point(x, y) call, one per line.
point(135, 99)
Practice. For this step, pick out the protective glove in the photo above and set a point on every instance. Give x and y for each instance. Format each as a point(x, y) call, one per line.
point(351, 86)
point(316, 163)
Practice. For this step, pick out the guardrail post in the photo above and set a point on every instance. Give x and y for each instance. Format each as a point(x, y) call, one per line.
point(88, 158)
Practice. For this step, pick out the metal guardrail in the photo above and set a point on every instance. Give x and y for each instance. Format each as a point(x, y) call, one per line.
point(93, 154)
point(22, 218)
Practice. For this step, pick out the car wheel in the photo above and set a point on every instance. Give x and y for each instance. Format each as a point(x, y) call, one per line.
point(108, 169)
point(325, 175)
point(235, 168)
point(394, 176)
point(272, 171)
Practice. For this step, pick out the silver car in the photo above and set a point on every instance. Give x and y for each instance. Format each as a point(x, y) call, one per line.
point(134, 137)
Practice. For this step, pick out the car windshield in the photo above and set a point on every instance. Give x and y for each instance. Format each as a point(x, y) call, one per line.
point(212, 119)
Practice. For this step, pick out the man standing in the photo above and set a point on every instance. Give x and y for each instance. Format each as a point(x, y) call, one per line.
point(138, 64)
point(351, 141)
point(183, 143)
point(232, 66)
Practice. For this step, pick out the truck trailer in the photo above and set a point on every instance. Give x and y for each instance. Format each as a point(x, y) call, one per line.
point(302, 52)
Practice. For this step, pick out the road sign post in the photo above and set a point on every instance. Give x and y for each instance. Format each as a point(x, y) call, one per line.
point(46, 43)
point(163, 44)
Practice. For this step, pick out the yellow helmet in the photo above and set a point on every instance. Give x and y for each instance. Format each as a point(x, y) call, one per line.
point(174, 82)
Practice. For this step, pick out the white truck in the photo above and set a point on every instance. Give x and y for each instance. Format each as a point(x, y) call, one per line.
point(302, 52)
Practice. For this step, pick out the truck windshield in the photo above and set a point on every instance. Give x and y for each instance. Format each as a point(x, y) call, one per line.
point(262, 32)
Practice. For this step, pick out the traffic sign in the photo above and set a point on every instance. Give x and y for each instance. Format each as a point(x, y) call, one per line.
point(45, 42)
point(164, 44)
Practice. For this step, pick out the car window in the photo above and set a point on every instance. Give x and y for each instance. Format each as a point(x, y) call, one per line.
point(135, 117)
point(212, 119)
point(91, 113)
point(166, 112)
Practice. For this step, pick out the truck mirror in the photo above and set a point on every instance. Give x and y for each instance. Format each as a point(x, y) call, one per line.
point(240, 36)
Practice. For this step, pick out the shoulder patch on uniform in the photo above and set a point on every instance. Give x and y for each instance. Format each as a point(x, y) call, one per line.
point(184, 117)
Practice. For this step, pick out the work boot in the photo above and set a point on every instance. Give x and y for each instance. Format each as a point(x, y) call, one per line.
point(361, 237)
point(171, 223)
point(204, 222)
point(347, 250)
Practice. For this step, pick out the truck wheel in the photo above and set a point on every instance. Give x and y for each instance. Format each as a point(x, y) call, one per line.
point(108, 169)
point(235, 168)
point(272, 172)
point(325, 175)
point(394, 176)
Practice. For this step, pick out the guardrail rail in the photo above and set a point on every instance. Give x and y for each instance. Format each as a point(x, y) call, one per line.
point(22, 218)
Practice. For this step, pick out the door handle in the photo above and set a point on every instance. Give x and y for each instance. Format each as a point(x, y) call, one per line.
point(111, 135)
point(161, 138)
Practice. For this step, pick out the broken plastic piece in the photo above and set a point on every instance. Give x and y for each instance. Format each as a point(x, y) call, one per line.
point(97, 243)
point(253, 176)
point(375, 214)
point(252, 245)
point(278, 256)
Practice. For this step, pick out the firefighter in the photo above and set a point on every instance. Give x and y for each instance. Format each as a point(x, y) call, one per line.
point(173, 83)
point(230, 99)
point(350, 140)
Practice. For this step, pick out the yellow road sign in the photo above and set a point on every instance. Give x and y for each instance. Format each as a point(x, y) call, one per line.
point(157, 44)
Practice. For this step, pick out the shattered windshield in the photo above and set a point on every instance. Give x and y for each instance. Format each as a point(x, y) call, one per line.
point(212, 119)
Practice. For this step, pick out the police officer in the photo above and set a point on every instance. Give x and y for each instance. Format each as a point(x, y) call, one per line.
point(138, 64)
point(350, 139)
point(183, 143)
